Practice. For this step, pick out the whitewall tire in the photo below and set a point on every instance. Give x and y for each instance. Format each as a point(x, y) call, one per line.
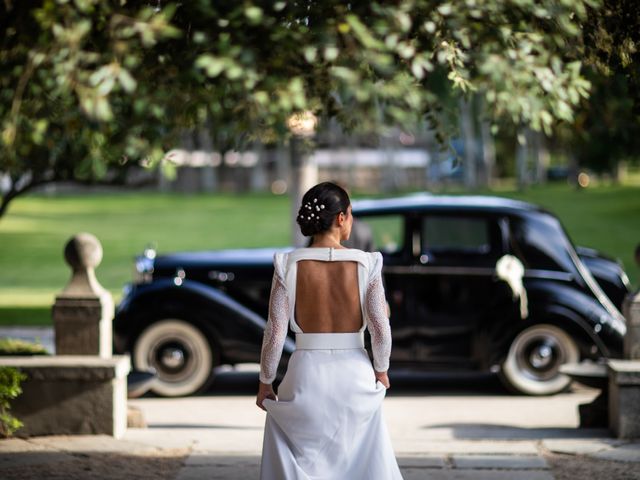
point(533, 363)
point(180, 354)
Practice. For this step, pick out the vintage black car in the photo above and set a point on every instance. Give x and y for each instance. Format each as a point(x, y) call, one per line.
point(473, 284)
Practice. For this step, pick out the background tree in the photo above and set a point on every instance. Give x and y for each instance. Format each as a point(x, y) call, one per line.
point(88, 87)
point(606, 129)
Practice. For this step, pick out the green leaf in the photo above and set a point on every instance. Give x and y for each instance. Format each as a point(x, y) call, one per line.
point(405, 50)
point(233, 72)
point(345, 73)
point(254, 14)
point(445, 9)
point(127, 82)
point(101, 109)
point(213, 66)
point(330, 53)
point(310, 54)
point(362, 33)
point(261, 97)
point(106, 85)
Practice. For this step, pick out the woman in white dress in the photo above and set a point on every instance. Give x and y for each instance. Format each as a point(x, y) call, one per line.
point(326, 422)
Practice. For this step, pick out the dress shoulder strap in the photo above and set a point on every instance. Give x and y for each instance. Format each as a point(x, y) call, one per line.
point(280, 264)
point(375, 264)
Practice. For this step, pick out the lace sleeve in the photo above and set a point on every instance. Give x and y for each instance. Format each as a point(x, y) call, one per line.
point(378, 321)
point(275, 332)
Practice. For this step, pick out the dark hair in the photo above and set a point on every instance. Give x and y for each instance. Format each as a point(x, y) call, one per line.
point(319, 208)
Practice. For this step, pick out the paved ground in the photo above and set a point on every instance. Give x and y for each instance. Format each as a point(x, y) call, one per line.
point(441, 428)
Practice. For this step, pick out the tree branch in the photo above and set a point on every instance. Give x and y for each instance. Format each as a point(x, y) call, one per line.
point(15, 192)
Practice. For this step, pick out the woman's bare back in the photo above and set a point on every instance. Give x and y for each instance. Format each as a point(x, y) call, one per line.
point(327, 297)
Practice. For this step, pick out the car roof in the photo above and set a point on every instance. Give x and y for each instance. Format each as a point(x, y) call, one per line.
point(427, 201)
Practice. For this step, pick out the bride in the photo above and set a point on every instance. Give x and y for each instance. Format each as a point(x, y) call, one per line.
point(326, 422)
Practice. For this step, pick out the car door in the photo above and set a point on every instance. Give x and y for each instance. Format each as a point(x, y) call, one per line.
point(451, 293)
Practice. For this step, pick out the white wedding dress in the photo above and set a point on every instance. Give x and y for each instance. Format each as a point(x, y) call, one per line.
point(327, 422)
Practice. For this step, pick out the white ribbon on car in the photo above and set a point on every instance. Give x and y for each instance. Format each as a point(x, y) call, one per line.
point(511, 270)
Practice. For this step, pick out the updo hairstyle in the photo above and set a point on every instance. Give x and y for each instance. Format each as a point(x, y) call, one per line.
point(320, 206)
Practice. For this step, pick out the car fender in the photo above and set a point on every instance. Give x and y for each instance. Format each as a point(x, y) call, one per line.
point(569, 307)
point(236, 329)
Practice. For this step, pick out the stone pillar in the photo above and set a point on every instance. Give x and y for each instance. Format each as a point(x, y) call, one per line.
point(83, 311)
point(624, 398)
point(631, 311)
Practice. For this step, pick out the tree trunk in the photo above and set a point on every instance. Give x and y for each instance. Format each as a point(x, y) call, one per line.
point(4, 204)
point(468, 135)
point(541, 157)
point(209, 174)
point(304, 175)
point(13, 192)
point(522, 158)
point(573, 170)
point(488, 154)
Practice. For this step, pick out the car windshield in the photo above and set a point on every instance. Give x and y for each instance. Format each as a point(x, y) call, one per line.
point(540, 242)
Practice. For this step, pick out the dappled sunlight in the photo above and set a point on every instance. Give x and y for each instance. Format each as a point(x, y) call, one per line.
point(24, 223)
point(26, 297)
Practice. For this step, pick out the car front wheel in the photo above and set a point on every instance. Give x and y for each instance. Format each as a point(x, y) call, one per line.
point(180, 354)
point(533, 363)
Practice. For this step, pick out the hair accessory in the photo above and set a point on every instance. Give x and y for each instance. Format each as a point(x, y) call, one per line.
point(322, 207)
point(315, 200)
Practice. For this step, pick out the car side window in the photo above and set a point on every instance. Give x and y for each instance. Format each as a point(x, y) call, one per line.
point(462, 234)
point(460, 240)
point(387, 232)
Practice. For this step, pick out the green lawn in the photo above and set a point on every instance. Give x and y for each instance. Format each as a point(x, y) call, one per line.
point(33, 234)
point(36, 228)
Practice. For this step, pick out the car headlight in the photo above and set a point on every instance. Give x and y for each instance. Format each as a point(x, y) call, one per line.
point(144, 266)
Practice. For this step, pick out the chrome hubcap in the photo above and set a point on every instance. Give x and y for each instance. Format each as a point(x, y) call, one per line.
point(172, 358)
point(541, 356)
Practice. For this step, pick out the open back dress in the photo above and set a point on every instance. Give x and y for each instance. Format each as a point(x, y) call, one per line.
point(327, 423)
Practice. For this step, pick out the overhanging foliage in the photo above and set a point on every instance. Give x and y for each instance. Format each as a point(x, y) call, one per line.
point(86, 85)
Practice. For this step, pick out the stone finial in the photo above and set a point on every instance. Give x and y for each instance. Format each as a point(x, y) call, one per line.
point(83, 253)
point(83, 311)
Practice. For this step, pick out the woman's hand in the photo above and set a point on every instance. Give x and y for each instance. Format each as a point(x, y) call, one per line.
point(265, 390)
point(383, 378)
